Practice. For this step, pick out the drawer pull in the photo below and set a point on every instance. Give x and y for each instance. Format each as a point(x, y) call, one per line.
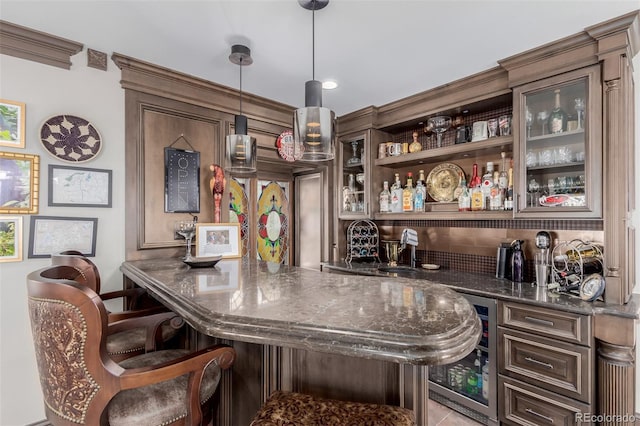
point(535, 361)
point(540, 321)
point(542, 416)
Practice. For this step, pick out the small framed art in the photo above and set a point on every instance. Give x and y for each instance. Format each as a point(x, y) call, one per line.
point(10, 238)
point(218, 239)
point(19, 178)
point(50, 234)
point(12, 126)
point(79, 187)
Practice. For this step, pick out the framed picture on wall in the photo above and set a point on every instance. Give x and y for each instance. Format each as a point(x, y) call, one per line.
point(12, 123)
point(19, 179)
point(218, 239)
point(181, 181)
point(10, 238)
point(79, 187)
point(52, 234)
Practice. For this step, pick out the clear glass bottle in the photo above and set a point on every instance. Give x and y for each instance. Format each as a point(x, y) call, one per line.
point(557, 120)
point(487, 183)
point(485, 379)
point(464, 199)
point(385, 198)
point(503, 180)
point(495, 195)
point(408, 194)
point(420, 193)
point(458, 190)
point(396, 195)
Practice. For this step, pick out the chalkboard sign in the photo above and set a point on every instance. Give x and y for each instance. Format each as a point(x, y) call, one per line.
point(181, 181)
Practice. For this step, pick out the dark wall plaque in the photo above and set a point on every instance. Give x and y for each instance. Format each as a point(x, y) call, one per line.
point(181, 181)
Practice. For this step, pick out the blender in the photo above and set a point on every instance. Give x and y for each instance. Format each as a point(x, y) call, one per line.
point(543, 242)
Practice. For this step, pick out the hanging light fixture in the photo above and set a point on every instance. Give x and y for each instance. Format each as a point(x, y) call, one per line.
point(241, 153)
point(313, 126)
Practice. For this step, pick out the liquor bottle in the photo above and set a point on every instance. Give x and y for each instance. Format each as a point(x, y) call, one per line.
point(495, 196)
point(396, 195)
point(503, 180)
point(385, 198)
point(477, 364)
point(458, 190)
point(420, 193)
point(408, 194)
point(464, 199)
point(557, 120)
point(485, 379)
point(487, 183)
point(475, 179)
point(508, 201)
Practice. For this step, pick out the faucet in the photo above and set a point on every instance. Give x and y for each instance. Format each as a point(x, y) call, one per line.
point(410, 237)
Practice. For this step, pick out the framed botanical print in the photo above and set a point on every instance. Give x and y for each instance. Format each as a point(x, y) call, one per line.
point(10, 238)
point(12, 123)
point(19, 179)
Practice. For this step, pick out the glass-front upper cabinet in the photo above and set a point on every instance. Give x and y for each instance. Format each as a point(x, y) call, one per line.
point(559, 146)
point(353, 176)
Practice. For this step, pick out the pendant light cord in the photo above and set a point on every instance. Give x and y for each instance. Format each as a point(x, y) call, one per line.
point(313, 41)
point(240, 85)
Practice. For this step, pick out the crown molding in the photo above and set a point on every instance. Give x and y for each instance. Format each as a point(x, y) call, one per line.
point(32, 45)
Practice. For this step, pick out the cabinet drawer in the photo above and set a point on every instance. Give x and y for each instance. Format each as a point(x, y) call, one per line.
point(565, 326)
point(558, 366)
point(528, 405)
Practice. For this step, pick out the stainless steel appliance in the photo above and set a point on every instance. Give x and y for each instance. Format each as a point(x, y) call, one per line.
point(460, 385)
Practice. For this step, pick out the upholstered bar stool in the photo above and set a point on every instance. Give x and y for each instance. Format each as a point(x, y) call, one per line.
point(295, 409)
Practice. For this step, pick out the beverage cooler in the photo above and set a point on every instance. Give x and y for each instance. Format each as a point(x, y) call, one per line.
point(469, 386)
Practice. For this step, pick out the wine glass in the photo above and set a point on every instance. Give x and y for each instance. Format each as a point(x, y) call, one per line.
point(439, 125)
point(529, 120)
point(186, 229)
point(579, 106)
point(355, 159)
point(542, 119)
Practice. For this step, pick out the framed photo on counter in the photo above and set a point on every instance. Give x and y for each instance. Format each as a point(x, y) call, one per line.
point(218, 239)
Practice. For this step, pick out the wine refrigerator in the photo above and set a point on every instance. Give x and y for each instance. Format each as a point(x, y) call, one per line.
point(469, 386)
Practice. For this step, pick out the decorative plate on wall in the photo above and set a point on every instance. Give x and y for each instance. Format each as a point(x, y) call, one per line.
point(70, 138)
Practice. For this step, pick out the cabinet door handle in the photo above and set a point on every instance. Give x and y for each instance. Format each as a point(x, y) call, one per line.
point(542, 416)
point(535, 361)
point(539, 321)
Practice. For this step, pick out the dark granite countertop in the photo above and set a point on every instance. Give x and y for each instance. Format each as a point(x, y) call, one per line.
point(489, 286)
point(392, 319)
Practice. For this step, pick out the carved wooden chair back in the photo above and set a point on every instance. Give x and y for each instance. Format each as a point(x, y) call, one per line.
point(81, 384)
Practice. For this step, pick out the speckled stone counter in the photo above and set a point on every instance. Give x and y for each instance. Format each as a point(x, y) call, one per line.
point(382, 318)
point(489, 286)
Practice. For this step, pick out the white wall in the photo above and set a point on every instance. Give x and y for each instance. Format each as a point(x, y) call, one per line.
point(47, 91)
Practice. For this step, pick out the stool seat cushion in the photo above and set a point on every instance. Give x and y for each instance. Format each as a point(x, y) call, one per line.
point(295, 409)
point(135, 339)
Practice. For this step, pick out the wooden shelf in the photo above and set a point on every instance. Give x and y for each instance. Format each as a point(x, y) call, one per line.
point(444, 215)
point(469, 149)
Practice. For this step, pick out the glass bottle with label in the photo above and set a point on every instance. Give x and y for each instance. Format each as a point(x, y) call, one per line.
point(487, 183)
point(396, 195)
point(464, 199)
point(408, 194)
point(385, 198)
point(508, 201)
point(420, 193)
point(558, 118)
point(477, 196)
point(495, 195)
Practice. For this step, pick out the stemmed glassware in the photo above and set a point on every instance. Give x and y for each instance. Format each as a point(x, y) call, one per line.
point(542, 119)
point(355, 159)
point(439, 125)
point(529, 120)
point(579, 106)
point(186, 229)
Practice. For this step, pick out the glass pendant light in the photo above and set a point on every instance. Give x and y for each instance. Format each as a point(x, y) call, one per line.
point(241, 150)
point(314, 126)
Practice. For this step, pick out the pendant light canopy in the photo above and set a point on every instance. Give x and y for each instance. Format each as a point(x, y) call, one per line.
point(241, 152)
point(314, 126)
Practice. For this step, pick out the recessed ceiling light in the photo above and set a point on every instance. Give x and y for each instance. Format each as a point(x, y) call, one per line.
point(329, 84)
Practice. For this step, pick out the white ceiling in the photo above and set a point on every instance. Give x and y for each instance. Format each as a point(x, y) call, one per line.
point(378, 50)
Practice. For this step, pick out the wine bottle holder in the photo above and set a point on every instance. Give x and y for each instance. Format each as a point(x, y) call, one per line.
point(573, 271)
point(362, 241)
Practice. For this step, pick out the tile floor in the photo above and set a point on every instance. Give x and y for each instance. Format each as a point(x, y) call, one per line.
point(440, 415)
